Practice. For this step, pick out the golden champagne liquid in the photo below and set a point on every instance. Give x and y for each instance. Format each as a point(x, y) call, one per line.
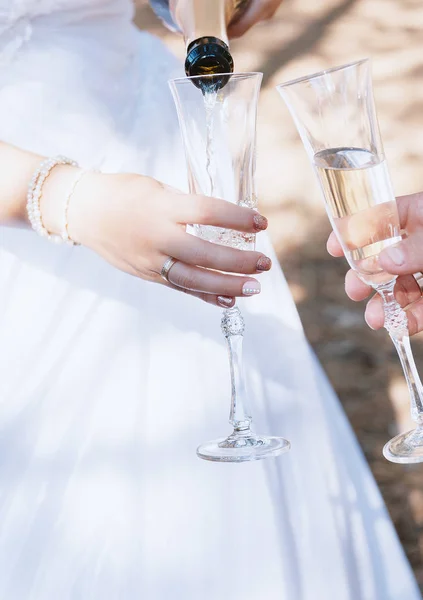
point(361, 206)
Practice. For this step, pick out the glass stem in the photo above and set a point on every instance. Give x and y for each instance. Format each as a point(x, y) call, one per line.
point(233, 328)
point(396, 323)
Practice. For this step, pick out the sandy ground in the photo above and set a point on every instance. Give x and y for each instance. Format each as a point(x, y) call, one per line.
point(305, 37)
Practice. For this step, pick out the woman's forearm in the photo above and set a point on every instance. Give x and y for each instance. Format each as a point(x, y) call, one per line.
point(136, 224)
point(16, 169)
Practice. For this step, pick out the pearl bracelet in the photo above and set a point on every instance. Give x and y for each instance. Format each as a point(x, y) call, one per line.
point(35, 190)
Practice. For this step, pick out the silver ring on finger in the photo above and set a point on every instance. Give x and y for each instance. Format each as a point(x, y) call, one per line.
point(168, 264)
point(419, 280)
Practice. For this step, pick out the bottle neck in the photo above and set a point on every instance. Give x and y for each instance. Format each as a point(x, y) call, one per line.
point(204, 26)
point(201, 18)
point(208, 56)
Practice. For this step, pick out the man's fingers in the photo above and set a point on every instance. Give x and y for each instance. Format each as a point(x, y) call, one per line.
point(248, 19)
point(407, 290)
point(356, 289)
point(408, 295)
point(415, 317)
point(333, 246)
point(410, 209)
point(404, 258)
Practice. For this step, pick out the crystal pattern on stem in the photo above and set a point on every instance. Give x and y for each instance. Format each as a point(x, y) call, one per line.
point(232, 322)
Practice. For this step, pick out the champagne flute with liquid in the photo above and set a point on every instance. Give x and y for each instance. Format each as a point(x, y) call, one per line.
point(335, 115)
point(218, 127)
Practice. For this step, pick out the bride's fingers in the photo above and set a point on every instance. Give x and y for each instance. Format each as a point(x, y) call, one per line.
point(204, 210)
point(195, 251)
point(222, 301)
point(333, 246)
point(197, 279)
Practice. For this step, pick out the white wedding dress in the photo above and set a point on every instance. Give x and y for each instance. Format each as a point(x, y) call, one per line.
point(108, 383)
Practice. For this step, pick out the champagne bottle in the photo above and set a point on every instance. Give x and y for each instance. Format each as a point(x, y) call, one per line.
point(203, 24)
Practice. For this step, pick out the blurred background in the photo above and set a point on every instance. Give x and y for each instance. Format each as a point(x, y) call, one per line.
point(362, 365)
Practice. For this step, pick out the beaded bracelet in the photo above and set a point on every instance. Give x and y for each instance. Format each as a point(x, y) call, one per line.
point(35, 190)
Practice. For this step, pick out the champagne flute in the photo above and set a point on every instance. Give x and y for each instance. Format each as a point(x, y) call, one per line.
point(217, 117)
point(335, 115)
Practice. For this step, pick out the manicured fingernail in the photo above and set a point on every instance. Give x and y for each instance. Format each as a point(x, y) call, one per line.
point(250, 288)
point(260, 222)
point(225, 301)
point(396, 255)
point(263, 263)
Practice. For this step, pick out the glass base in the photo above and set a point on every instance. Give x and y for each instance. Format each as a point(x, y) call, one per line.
point(243, 446)
point(405, 447)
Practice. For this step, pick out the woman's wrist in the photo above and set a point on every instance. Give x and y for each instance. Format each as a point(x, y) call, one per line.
point(70, 203)
point(97, 202)
point(53, 197)
point(18, 167)
point(88, 211)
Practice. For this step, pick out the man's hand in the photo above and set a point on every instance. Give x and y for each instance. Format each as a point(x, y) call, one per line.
point(403, 259)
point(258, 10)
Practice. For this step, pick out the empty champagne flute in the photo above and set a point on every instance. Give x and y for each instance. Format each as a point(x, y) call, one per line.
point(217, 117)
point(335, 114)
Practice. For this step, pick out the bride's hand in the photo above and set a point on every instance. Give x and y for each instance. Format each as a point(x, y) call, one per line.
point(136, 224)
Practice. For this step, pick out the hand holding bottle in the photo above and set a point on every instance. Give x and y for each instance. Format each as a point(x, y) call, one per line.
point(207, 26)
point(258, 10)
